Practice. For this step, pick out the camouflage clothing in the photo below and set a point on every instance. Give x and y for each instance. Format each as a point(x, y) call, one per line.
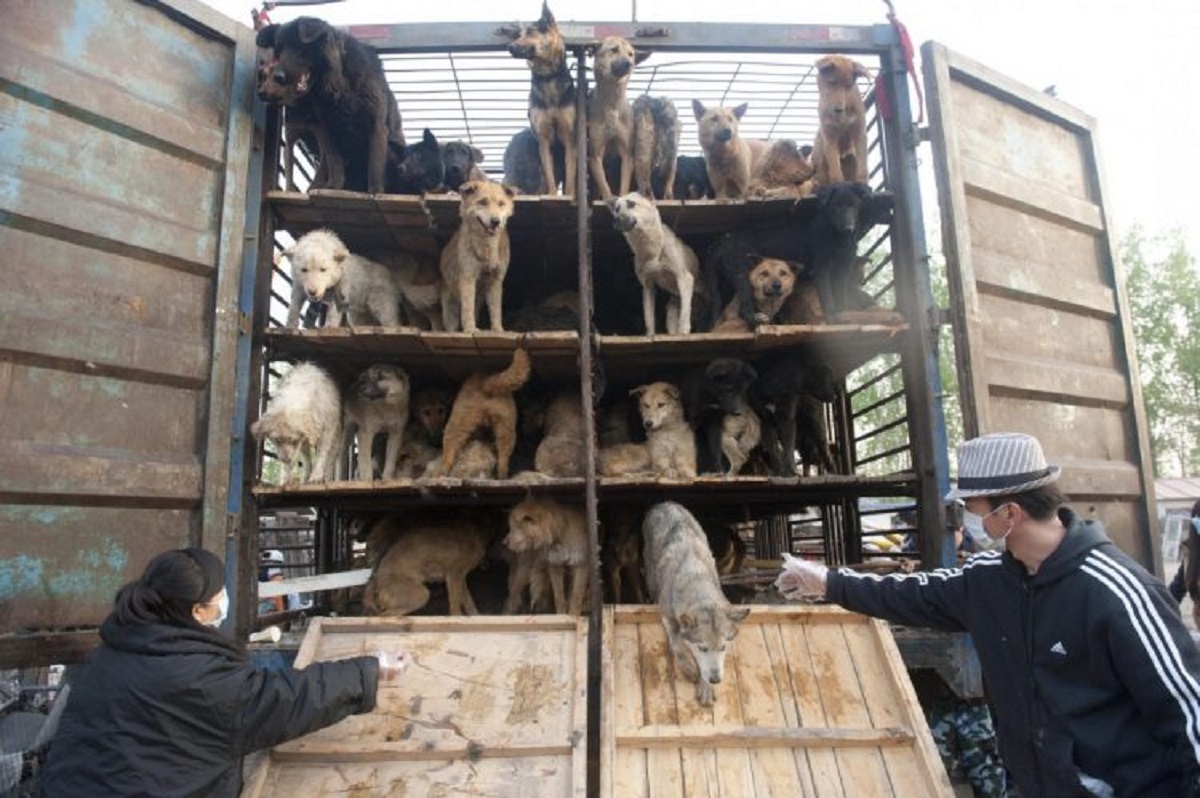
point(962, 730)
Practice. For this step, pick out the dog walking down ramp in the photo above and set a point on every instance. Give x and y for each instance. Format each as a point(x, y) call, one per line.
point(490, 706)
point(815, 702)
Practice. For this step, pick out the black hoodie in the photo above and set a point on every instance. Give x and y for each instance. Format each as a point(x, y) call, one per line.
point(1089, 667)
point(168, 712)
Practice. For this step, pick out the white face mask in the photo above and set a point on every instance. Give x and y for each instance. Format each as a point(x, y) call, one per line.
point(980, 539)
point(222, 610)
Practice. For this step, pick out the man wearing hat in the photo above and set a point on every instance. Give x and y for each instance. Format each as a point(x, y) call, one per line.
point(1092, 676)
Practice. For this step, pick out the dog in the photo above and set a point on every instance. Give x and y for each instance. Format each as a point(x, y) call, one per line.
point(660, 260)
point(303, 420)
point(422, 447)
point(656, 131)
point(523, 163)
point(670, 447)
point(551, 96)
point(691, 179)
point(377, 403)
point(728, 158)
point(741, 433)
point(609, 115)
point(771, 284)
point(710, 393)
point(775, 397)
point(324, 270)
point(340, 84)
point(783, 171)
point(299, 122)
point(825, 241)
point(560, 452)
point(486, 401)
point(433, 551)
point(682, 577)
point(420, 170)
point(419, 281)
point(559, 311)
point(622, 555)
point(460, 164)
point(840, 151)
point(477, 257)
point(557, 533)
point(475, 460)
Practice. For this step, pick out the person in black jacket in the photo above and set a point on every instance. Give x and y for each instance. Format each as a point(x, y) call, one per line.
point(1187, 578)
point(1093, 679)
point(167, 706)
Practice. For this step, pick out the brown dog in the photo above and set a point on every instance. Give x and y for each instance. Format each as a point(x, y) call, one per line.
point(486, 401)
point(622, 557)
point(609, 115)
point(728, 158)
point(557, 535)
point(444, 551)
point(560, 452)
point(783, 171)
point(551, 96)
point(476, 257)
point(772, 282)
point(840, 151)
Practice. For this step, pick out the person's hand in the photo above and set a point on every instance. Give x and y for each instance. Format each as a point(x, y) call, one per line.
point(801, 579)
point(392, 664)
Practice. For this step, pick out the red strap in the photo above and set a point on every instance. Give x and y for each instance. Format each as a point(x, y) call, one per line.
point(906, 47)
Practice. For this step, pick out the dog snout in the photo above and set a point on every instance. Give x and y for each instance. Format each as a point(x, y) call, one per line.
point(776, 288)
point(724, 135)
point(621, 67)
point(624, 223)
point(519, 50)
point(714, 678)
point(648, 424)
point(493, 223)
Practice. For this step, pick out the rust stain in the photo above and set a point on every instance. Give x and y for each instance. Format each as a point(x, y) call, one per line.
point(398, 790)
point(833, 695)
point(364, 789)
point(534, 688)
point(477, 702)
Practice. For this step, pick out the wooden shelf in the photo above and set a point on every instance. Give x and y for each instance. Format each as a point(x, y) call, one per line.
point(407, 493)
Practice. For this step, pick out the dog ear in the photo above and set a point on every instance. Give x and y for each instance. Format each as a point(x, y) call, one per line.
point(638, 391)
point(640, 55)
point(674, 392)
point(510, 191)
point(547, 19)
point(738, 615)
point(476, 155)
point(266, 36)
point(687, 620)
point(740, 111)
point(429, 138)
point(860, 71)
point(806, 151)
point(825, 64)
point(698, 109)
point(863, 191)
point(796, 266)
point(468, 188)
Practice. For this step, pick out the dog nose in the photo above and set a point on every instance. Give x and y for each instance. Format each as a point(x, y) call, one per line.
point(725, 135)
point(493, 223)
point(647, 424)
point(776, 286)
point(714, 679)
point(621, 68)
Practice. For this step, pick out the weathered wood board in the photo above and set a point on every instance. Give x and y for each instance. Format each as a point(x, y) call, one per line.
point(489, 706)
point(815, 702)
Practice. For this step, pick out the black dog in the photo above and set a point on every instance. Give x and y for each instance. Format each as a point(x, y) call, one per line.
point(339, 83)
point(420, 169)
point(460, 163)
point(783, 385)
point(691, 179)
point(523, 167)
point(825, 242)
point(709, 394)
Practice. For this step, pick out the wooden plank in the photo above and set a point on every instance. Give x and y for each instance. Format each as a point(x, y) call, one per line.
point(660, 680)
point(699, 767)
point(626, 773)
point(93, 475)
point(579, 718)
point(775, 769)
point(782, 736)
point(735, 770)
point(308, 584)
point(821, 763)
point(781, 665)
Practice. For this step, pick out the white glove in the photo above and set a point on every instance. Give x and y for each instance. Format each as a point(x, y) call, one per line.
point(801, 579)
point(392, 664)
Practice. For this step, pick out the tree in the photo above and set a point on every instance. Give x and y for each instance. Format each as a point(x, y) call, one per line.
point(1163, 286)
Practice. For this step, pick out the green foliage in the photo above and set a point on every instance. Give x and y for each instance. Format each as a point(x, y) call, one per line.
point(1163, 286)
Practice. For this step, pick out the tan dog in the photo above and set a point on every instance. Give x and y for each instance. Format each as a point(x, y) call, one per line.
point(557, 533)
point(475, 260)
point(377, 403)
point(772, 282)
point(423, 439)
point(728, 158)
point(551, 96)
point(476, 460)
point(303, 421)
point(609, 115)
point(444, 551)
point(560, 452)
point(670, 447)
point(660, 260)
point(840, 151)
point(486, 401)
point(740, 435)
point(783, 171)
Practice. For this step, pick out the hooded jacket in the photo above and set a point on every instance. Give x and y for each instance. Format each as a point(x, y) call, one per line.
point(1089, 668)
point(168, 712)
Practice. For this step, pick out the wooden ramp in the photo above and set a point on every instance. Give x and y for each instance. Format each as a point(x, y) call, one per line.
point(815, 702)
point(490, 706)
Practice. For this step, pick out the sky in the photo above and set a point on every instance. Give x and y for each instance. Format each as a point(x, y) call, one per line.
point(1127, 63)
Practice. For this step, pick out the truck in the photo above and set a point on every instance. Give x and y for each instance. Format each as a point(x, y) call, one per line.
point(142, 211)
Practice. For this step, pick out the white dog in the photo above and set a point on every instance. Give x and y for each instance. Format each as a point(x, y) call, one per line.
point(660, 260)
point(682, 577)
point(324, 271)
point(377, 403)
point(304, 422)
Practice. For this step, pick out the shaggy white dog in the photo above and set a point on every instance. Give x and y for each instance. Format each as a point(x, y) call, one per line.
point(304, 422)
point(324, 270)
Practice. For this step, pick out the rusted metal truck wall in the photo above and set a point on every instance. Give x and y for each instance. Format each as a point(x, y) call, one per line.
point(1041, 322)
point(125, 133)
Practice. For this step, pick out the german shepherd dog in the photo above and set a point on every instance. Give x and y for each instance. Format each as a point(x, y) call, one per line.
point(551, 96)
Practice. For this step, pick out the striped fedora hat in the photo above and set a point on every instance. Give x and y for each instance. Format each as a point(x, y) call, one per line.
point(999, 464)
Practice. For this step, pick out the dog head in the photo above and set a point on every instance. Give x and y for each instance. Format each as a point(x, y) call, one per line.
point(718, 126)
point(383, 383)
point(841, 206)
point(486, 204)
point(837, 84)
point(659, 404)
point(772, 279)
point(540, 44)
point(707, 633)
point(691, 178)
point(615, 59)
point(306, 53)
point(318, 260)
point(728, 379)
point(431, 408)
point(420, 169)
point(786, 163)
point(631, 211)
point(458, 161)
point(819, 381)
point(531, 524)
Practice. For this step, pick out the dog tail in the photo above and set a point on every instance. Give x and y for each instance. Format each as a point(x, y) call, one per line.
point(512, 378)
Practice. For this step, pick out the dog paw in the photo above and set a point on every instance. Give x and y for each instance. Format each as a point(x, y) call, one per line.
point(705, 694)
